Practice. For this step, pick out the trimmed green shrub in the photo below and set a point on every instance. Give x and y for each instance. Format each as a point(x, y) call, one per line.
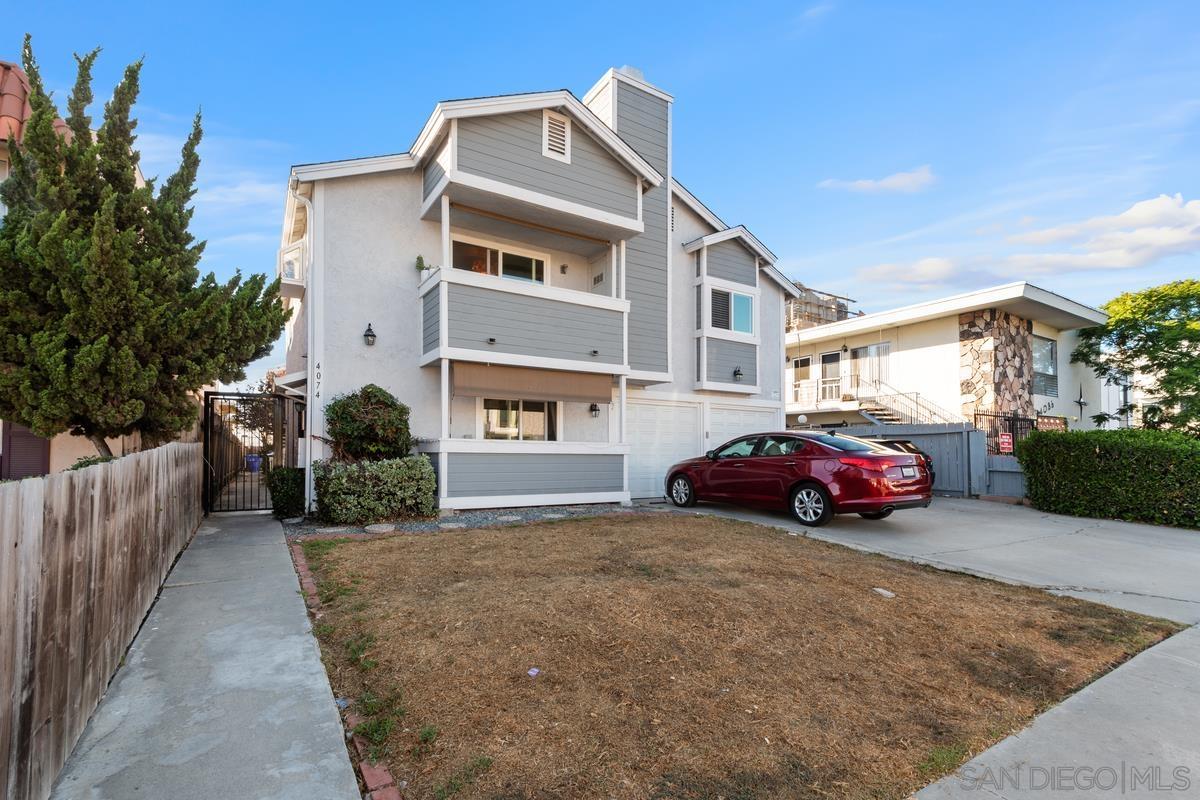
point(1131, 474)
point(286, 485)
point(375, 491)
point(368, 424)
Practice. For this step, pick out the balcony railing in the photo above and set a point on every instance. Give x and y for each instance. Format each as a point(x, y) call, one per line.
point(897, 406)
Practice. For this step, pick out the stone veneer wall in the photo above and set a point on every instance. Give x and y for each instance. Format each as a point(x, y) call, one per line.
point(995, 363)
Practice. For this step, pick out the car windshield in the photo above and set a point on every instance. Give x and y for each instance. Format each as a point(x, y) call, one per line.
point(845, 443)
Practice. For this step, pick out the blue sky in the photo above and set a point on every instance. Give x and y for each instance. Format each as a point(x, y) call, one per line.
point(890, 152)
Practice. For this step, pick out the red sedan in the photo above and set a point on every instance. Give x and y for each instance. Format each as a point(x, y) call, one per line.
point(813, 474)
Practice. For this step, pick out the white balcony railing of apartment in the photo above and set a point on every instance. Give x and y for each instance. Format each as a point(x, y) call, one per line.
point(889, 403)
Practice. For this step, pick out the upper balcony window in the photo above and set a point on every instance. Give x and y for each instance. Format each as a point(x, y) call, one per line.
point(486, 259)
point(1045, 367)
point(732, 311)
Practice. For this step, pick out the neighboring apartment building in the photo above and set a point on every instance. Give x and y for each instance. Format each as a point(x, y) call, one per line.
point(585, 322)
point(1004, 350)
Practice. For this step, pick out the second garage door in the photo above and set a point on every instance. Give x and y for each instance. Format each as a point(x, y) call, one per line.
point(660, 434)
point(729, 423)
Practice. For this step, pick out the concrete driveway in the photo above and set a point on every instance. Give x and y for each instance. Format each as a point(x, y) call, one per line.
point(1144, 568)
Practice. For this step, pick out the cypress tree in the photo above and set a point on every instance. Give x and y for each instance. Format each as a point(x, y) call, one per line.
point(106, 325)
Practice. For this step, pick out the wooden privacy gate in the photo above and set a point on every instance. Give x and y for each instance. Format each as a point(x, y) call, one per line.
point(245, 435)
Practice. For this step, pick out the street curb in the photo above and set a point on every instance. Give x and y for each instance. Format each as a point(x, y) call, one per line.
point(376, 777)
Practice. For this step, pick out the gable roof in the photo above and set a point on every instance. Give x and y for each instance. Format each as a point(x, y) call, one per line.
point(725, 233)
point(436, 126)
point(1021, 298)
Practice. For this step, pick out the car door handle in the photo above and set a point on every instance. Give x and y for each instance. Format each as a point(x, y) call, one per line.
point(739, 466)
point(789, 463)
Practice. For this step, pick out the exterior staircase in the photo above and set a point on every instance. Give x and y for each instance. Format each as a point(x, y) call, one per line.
point(885, 405)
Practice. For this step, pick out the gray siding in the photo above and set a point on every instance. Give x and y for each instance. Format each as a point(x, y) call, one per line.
point(724, 355)
point(642, 122)
point(508, 148)
point(494, 474)
point(429, 320)
point(730, 261)
point(433, 173)
point(532, 326)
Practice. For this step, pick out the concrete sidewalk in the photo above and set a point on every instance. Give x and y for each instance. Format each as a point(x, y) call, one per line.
point(223, 694)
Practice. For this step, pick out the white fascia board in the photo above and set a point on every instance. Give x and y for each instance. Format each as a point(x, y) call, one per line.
point(717, 386)
point(488, 106)
point(616, 75)
point(736, 232)
point(692, 202)
point(353, 166)
point(788, 286)
point(944, 307)
point(517, 360)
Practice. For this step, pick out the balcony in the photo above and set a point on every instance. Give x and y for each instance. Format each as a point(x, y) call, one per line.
point(468, 316)
point(291, 270)
point(871, 397)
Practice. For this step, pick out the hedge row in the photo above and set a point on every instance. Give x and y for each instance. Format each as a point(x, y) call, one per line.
point(1131, 474)
point(374, 491)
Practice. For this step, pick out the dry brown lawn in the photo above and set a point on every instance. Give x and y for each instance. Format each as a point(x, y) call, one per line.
point(687, 657)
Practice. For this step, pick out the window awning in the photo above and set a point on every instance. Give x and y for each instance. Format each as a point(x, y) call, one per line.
point(520, 383)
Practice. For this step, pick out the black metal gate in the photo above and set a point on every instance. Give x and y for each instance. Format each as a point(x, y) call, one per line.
point(245, 436)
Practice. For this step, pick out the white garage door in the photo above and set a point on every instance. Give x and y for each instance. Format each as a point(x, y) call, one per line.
point(729, 423)
point(660, 434)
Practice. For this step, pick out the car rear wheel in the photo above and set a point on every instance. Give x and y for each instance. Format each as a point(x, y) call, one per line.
point(810, 505)
point(887, 512)
point(683, 494)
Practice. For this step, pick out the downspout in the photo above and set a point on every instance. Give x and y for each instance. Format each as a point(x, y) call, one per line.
point(309, 318)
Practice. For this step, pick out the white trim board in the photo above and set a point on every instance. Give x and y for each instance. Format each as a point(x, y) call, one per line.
point(517, 360)
point(516, 500)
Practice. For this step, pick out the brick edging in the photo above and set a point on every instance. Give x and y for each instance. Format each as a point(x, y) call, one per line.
point(376, 777)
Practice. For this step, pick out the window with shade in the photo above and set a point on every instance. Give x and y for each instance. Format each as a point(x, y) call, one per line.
point(520, 420)
point(732, 311)
point(484, 259)
point(1045, 367)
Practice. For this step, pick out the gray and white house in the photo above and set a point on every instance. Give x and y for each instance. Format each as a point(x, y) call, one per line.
point(583, 321)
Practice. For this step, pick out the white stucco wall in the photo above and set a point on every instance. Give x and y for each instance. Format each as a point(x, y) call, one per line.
point(924, 358)
point(1070, 378)
point(369, 236)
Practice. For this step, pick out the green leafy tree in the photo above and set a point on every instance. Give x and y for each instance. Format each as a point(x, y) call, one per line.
point(106, 325)
point(1152, 337)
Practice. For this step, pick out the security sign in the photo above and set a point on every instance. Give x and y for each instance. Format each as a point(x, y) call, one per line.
point(1006, 443)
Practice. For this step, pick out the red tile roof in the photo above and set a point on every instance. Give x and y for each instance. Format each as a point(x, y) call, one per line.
point(14, 103)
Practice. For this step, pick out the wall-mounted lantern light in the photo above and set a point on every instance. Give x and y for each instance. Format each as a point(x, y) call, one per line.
point(491, 340)
point(562, 268)
point(737, 374)
point(369, 335)
point(595, 409)
point(595, 353)
point(845, 349)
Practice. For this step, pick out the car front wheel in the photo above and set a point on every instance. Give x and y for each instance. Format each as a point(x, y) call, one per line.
point(683, 494)
point(810, 505)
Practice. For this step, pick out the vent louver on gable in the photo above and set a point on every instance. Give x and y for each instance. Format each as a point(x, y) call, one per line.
point(556, 136)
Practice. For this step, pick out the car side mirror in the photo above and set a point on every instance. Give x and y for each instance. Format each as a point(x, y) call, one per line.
point(711, 455)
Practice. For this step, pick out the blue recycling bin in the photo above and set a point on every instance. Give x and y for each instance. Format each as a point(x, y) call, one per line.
point(253, 462)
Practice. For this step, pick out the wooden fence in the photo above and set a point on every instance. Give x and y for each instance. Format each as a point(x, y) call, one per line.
point(82, 557)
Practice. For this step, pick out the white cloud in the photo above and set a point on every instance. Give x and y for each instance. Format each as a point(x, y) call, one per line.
point(817, 11)
point(915, 180)
point(1144, 233)
point(923, 272)
point(241, 193)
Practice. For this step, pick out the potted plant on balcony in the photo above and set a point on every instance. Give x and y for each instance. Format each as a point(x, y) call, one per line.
point(421, 266)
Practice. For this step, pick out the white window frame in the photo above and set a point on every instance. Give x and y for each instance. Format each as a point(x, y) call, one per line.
point(1054, 364)
point(733, 288)
point(480, 416)
point(547, 115)
point(502, 249)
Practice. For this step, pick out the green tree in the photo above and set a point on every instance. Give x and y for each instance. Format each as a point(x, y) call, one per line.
point(1152, 337)
point(106, 325)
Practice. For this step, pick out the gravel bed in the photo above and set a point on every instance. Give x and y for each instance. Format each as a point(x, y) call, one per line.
point(463, 520)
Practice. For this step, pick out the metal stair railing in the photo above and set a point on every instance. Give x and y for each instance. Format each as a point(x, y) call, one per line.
point(909, 407)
